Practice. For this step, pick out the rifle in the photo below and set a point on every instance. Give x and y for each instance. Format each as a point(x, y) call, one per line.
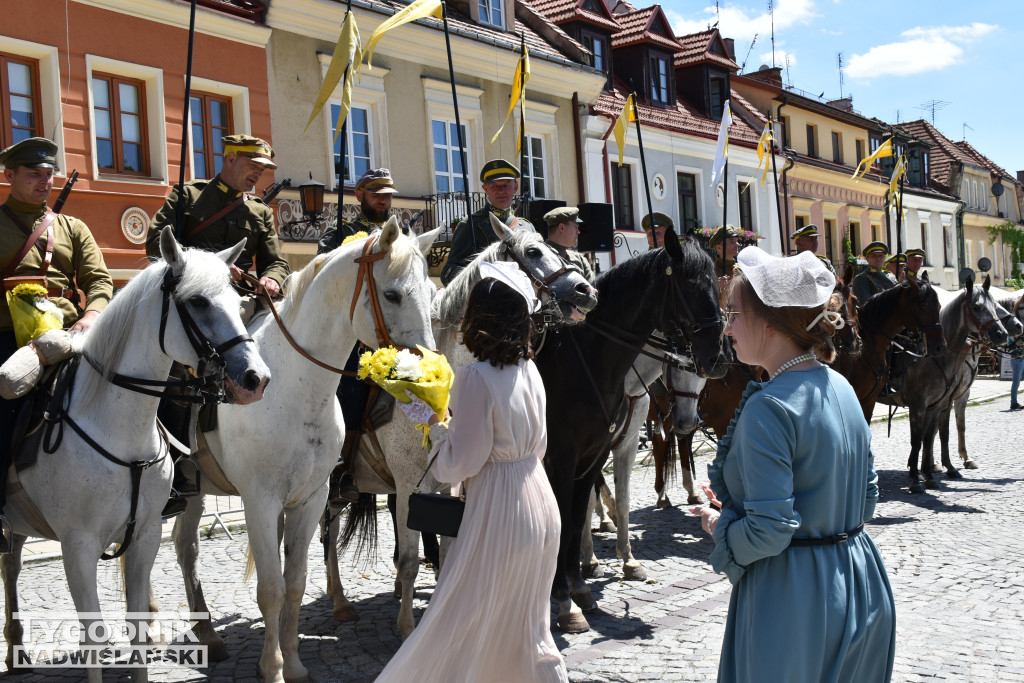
point(65, 191)
point(273, 190)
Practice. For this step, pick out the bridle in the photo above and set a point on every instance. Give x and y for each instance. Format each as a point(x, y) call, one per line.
point(549, 314)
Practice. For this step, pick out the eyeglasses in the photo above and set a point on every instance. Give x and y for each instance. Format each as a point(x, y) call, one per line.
point(730, 315)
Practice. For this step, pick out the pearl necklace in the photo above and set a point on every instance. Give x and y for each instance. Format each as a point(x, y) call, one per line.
point(791, 362)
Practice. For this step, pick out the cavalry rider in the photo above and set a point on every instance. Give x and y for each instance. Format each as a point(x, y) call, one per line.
point(217, 214)
point(656, 236)
point(373, 192)
point(725, 240)
point(874, 279)
point(36, 241)
point(806, 239)
point(895, 265)
point(563, 234)
point(915, 261)
point(500, 181)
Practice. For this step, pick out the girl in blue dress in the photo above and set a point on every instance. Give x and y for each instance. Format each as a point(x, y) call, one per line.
point(796, 481)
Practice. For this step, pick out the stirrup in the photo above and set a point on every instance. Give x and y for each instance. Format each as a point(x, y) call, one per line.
point(7, 540)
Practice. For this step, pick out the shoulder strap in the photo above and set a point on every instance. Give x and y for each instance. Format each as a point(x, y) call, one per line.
point(217, 216)
point(33, 236)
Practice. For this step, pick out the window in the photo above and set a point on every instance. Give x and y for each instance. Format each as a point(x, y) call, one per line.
point(925, 169)
point(947, 245)
point(859, 149)
point(622, 196)
point(19, 100)
point(786, 142)
point(876, 231)
point(800, 222)
point(659, 80)
point(829, 228)
point(357, 145)
point(837, 147)
point(210, 117)
point(746, 213)
point(853, 234)
point(974, 193)
point(599, 47)
point(534, 177)
point(448, 176)
point(492, 13)
point(686, 186)
point(984, 196)
point(812, 135)
point(717, 90)
point(969, 262)
point(119, 112)
point(924, 242)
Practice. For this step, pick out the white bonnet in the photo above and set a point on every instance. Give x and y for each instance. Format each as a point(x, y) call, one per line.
point(511, 275)
point(802, 280)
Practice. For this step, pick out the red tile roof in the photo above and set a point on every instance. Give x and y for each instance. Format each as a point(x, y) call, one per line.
point(697, 49)
point(253, 10)
point(636, 28)
point(561, 11)
point(680, 119)
point(982, 160)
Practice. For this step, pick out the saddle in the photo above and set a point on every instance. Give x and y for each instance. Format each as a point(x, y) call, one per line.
point(379, 411)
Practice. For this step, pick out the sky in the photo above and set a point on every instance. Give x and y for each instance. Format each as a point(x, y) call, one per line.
point(897, 55)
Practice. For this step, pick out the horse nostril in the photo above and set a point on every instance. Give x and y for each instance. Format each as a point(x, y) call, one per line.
point(251, 380)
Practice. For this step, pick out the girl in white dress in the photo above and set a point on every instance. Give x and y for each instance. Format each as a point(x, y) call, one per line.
point(489, 618)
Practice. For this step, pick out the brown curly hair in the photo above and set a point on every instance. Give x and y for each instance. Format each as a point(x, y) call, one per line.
point(497, 326)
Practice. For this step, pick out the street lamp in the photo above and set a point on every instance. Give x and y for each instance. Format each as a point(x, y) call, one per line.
point(311, 200)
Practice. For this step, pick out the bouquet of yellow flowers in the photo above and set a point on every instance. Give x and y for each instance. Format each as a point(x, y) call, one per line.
point(428, 376)
point(32, 312)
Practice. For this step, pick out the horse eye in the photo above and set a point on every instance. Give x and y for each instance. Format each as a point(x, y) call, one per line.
point(533, 252)
point(198, 301)
point(393, 296)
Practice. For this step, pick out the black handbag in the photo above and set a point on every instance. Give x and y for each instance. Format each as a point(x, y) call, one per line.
point(435, 513)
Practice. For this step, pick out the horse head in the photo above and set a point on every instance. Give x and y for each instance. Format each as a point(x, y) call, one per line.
point(690, 311)
point(685, 385)
point(1014, 322)
point(209, 336)
point(847, 339)
point(982, 315)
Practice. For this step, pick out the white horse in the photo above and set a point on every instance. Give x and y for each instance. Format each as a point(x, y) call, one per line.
point(86, 497)
point(278, 455)
point(686, 386)
point(401, 444)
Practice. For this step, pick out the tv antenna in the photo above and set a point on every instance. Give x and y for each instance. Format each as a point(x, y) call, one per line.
point(771, 13)
point(933, 106)
point(789, 79)
point(965, 129)
point(839, 64)
point(718, 15)
point(745, 59)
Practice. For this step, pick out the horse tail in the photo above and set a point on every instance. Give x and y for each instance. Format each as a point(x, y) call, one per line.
point(361, 524)
point(250, 564)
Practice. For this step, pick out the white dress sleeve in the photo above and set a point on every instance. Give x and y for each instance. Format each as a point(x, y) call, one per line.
point(464, 447)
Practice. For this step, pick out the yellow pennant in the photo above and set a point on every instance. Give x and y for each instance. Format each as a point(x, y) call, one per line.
point(900, 170)
point(347, 53)
point(519, 79)
point(627, 117)
point(884, 150)
point(416, 10)
point(764, 148)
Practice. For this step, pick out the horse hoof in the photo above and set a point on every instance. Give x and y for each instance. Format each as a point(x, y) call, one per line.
point(916, 487)
point(216, 652)
point(936, 468)
point(608, 527)
point(664, 504)
point(634, 572)
point(592, 571)
point(931, 484)
point(573, 623)
point(693, 500)
point(970, 465)
point(953, 473)
point(585, 601)
point(299, 675)
point(345, 612)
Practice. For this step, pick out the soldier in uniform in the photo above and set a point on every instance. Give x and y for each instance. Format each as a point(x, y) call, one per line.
point(895, 265)
point(806, 239)
point(500, 183)
point(563, 234)
point(662, 222)
point(218, 213)
point(76, 262)
point(915, 261)
point(874, 279)
point(373, 192)
point(725, 240)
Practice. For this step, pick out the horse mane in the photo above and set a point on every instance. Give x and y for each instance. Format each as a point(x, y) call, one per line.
point(649, 267)
point(449, 307)
point(873, 311)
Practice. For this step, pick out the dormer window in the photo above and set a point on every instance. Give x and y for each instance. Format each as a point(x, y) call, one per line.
point(492, 13)
point(716, 89)
point(599, 48)
point(659, 91)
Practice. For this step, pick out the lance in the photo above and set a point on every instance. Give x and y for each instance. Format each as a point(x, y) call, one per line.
point(725, 211)
point(643, 166)
point(900, 258)
point(179, 210)
point(344, 140)
point(526, 190)
point(784, 244)
point(458, 121)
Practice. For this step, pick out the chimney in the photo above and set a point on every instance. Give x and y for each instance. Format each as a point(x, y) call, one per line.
point(844, 104)
point(768, 74)
point(730, 48)
point(1020, 176)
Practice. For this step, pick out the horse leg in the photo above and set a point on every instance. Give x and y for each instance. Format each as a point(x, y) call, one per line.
point(685, 446)
point(947, 465)
point(262, 523)
point(581, 593)
point(139, 560)
point(570, 618)
point(343, 609)
point(660, 480)
point(604, 506)
point(186, 546)
point(960, 408)
point(624, 459)
point(916, 428)
point(591, 567)
point(408, 565)
point(928, 452)
point(14, 633)
point(300, 524)
point(81, 554)
point(393, 513)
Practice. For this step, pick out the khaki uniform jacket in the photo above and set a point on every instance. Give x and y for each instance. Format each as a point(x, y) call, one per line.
point(574, 258)
point(253, 221)
point(871, 282)
point(77, 261)
point(336, 234)
point(462, 251)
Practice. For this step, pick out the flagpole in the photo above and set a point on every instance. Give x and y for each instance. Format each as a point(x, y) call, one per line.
point(725, 212)
point(899, 223)
point(643, 167)
point(526, 190)
point(458, 122)
point(784, 245)
point(179, 209)
point(344, 141)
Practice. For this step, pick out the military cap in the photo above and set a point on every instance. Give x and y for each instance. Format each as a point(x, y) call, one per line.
point(915, 252)
point(251, 148)
point(902, 258)
point(498, 169)
point(378, 181)
point(563, 214)
point(874, 248)
point(723, 233)
point(660, 219)
point(809, 230)
point(33, 153)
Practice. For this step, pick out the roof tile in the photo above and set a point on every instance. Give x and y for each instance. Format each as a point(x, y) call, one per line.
point(635, 28)
point(697, 49)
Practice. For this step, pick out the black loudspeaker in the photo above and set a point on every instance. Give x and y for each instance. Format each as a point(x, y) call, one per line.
point(539, 207)
point(596, 231)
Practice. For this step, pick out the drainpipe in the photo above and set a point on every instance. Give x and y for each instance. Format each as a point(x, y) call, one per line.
point(790, 163)
point(607, 164)
point(580, 184)
point(784, 229)
point(961, 206)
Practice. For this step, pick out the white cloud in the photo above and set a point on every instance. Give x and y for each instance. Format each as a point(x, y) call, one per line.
point(780, 59)
point(736, 23)
point(926, 48)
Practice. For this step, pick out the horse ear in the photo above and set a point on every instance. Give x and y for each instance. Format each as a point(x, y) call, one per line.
point(427, 239)
point(848, 275)
point(500, 229)
point(171, 251)
point(988, 283)
point(924, 277)
point(231, 254)
point(388, 234)
point(672, 246)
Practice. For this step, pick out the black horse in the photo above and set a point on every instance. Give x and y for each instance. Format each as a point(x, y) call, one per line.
point(672, 289)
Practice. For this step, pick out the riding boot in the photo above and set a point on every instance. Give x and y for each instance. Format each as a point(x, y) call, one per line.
point(343, 488)
point(177, 419)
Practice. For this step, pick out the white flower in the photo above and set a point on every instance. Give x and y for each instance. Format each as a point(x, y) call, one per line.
point(407, 366)
point(47, 306)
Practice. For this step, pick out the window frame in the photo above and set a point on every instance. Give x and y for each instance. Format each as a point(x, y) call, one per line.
point(745, 204)
point(716, 109)
point(491, 5)
point(591, 38)
point(686, 198)
point(350, 134)
point(115, 80)
point(837, 147)
point(859, 150)
point(812, 140)
point(828, 227)
point(209, 139)
point(7, 125)
point(660, 92)
point(528, 179)
point(622, 197)
point(452, 149)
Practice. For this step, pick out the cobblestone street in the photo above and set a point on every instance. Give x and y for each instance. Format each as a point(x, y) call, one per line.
point(954, 558)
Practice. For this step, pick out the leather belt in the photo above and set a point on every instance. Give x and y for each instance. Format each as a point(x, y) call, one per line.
point(831, 540)
point(69, 294)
